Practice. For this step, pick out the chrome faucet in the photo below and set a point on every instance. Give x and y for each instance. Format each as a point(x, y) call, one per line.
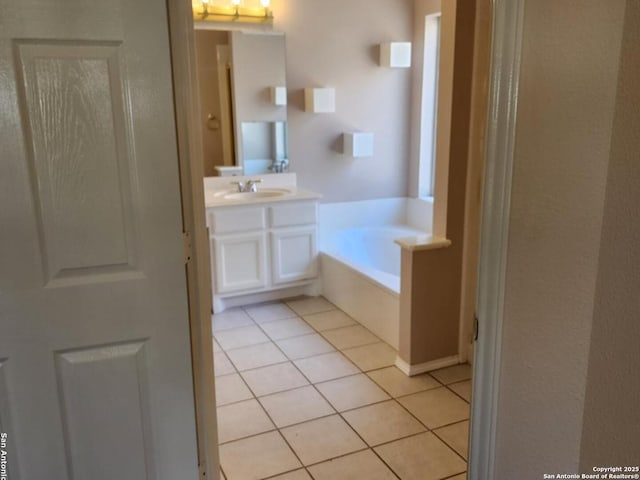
point(248, 186)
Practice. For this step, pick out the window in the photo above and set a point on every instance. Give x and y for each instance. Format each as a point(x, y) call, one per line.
point(429, 107)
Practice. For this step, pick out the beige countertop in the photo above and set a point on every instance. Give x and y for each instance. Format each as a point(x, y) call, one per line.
point(220, 191)
point(217, 198)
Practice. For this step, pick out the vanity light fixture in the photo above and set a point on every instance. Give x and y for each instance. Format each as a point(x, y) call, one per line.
point(395, 54)
point(320, 100)
point(205, 8)
point(358, 144)
point(226, 11)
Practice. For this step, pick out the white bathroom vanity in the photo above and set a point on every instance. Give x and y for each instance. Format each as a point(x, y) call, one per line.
point(263, 242)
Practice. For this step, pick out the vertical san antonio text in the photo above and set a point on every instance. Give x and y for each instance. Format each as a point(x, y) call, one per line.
point(3, 456)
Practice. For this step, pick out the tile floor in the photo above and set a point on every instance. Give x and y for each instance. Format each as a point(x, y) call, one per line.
point(305, 392)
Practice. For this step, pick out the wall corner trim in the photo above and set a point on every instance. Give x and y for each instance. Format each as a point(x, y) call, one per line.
point(507, 26)
point(411, 370)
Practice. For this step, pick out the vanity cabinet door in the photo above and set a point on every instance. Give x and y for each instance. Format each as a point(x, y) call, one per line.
point(240, 262)
point(293, 254)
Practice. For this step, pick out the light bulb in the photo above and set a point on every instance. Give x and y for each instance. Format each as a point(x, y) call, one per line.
point(265, 3)
point(235, 2)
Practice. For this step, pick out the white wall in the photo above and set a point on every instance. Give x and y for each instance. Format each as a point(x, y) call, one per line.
point(334, 43)
point(569, 74)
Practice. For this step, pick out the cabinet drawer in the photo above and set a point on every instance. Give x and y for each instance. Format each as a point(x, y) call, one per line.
point(293, 214)
point(237, 219)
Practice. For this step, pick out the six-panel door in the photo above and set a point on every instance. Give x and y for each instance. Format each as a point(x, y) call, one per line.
point(95, 360)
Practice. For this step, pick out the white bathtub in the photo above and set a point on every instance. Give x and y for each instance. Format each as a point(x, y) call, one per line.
point(361, 275)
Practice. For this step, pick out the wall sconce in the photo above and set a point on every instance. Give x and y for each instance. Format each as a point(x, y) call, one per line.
point(278, 96)
point(358, 144)
point(320, 100)
point(226, 11)
point(395, 54)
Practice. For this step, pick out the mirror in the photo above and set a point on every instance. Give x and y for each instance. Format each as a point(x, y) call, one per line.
point(244, 117)
point(264, 147)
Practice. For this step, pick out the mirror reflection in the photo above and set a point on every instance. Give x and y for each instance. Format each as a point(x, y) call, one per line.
point(242, 83)
point(264, 147)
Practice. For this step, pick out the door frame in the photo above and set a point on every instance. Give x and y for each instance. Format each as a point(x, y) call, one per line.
point(506, 49)
point(506, 52)
point(197, 263)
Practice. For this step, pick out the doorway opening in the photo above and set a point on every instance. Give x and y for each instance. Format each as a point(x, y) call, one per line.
point(248, 323)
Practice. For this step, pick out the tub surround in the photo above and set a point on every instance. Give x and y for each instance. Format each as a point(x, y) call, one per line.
point(361, 298)
point(428, 324)
point(361, 274)
point(363, 282)
point(422, 242)
point(414, 318)
point(416, 213)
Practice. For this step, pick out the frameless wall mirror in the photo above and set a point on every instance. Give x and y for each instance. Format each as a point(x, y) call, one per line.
point(242, 83)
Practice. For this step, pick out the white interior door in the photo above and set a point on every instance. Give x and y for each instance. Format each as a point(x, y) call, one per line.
point(95, 372)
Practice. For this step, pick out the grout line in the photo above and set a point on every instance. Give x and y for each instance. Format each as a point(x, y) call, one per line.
point(435, 432)
point(449, 424)
point(334, 407)
point(280, 433)
point(354, 324)
point(349, 425)
point(274, 429)
point(398, 396)
point(225, 350)
point(353, 453)
point(339, 456)
point(421, 391)
point(456, 393)
point(455, 475)
point(417, 434)
point(352, 346)
point(274, 423)
point(333, 306)
point(395, 399)
point(338, 413)
point(285, 473)
point(280, 362)
point(286, 338)
point(265, 304)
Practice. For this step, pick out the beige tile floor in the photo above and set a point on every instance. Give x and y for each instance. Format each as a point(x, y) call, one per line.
point(306, 393)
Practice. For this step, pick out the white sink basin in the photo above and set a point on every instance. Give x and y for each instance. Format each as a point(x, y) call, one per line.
point(262, 193)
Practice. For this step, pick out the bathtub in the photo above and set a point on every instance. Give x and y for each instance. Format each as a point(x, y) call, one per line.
point(361, 275)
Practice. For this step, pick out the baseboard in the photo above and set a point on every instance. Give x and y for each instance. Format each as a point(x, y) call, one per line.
point(221, 303)
point(419, 368)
